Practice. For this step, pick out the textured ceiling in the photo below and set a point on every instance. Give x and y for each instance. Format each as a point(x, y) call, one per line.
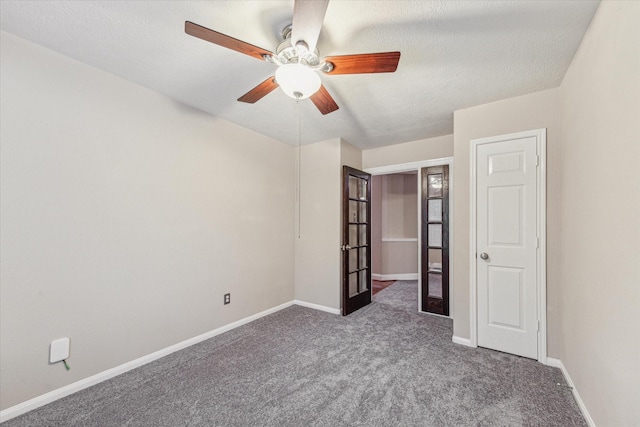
point(455, 54)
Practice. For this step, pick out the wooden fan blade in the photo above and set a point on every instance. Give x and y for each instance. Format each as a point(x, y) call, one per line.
point(383, 62)
point(258, 92)
point(307, 21)
point(324, 101)
point(220, 39)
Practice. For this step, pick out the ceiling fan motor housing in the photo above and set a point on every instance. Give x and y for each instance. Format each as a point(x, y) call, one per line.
point(286, 53)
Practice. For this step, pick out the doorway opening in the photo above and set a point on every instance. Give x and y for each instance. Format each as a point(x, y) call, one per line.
point(394, 236)
point(399, 245)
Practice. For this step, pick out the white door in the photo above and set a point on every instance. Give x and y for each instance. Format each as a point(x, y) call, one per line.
point(506, 245)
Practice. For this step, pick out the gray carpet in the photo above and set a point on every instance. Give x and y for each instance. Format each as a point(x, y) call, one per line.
point(402, 294)
point(384, 365)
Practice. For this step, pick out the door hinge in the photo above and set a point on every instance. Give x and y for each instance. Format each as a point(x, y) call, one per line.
point(537, 160)
point(538, 328)
point(537, 242)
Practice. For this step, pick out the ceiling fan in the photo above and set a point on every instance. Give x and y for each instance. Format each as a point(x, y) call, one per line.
point(297, 58)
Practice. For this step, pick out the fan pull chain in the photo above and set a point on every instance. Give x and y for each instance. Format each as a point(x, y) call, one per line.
point(299, 167)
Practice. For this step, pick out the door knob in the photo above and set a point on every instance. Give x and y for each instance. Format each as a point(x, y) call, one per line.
point(484, 255)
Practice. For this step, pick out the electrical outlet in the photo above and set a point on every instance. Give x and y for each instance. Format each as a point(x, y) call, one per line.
point(227, 298)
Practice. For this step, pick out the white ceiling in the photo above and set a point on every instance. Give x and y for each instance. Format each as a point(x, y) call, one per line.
point(455, 54)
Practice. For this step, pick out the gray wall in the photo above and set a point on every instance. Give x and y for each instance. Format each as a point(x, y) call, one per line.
point(599, 217)
point(317, 253)
point(317, 249)
point(424, 149)
point(125, 218)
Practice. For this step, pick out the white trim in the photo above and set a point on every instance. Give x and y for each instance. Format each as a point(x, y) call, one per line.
point(542, 246)
point(541, 198)
point(462, 341)
point(61, 392)
point(397, 276)
point(473, 302)
point(399, 239)
point(416, 166)
point(451, 237)
point(317, 306)
point(557, 363)
point(407, 167)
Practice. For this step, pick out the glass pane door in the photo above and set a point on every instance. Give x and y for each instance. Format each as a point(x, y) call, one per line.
point(435, 240)
point(356, 289)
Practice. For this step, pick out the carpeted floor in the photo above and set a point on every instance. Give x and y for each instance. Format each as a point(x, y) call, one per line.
point(378, 285)
point(402, 294)
point(384, 365)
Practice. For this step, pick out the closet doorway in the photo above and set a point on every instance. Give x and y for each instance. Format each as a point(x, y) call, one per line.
point(394, 226)
point(400, 232)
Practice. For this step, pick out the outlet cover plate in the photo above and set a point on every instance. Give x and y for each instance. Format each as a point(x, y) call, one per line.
point(59, 350)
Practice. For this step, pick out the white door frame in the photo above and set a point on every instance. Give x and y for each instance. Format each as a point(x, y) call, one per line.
point(416, 166)
point(541, 225)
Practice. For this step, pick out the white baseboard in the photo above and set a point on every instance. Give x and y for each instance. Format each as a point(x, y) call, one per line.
point(61, 392)
point(317, 306)
point(557, 363)
point(462, 341)
point(399, 276)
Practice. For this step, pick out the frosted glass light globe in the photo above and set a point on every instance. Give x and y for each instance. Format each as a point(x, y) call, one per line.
point(297, 81)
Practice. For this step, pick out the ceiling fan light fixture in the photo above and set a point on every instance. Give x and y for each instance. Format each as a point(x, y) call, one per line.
point(297, 80)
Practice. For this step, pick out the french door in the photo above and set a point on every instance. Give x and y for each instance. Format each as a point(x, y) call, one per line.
point(356, 238)
point(435, 239)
